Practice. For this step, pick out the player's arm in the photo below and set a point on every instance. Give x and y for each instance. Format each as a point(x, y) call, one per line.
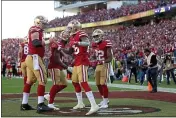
point(36, 42)
point(67, 50)
point(20, 53)
point(109, 55)
point(84, 42)
point(57, 55)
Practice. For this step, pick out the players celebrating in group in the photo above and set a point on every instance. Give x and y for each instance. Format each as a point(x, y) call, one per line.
point(77, 43)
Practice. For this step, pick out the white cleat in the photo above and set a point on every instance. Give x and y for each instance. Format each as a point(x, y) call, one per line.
point(47, 97)
point(53, 107)
point(93, 109)
point(102, 102)
point(104, 106)
point(79, 106)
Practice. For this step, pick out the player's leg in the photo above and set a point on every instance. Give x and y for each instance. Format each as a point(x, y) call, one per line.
point(77, 87)
point(24, 71)
point(83, 77)
point(97, 80)
point(40, 74)
point(8, 73)
point(103, 81)
point(59, 83)
point(27, 87)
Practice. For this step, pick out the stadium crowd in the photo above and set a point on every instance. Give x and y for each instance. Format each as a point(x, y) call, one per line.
point(104, 14)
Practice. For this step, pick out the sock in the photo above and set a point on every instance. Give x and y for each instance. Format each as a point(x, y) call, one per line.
point(25, 98)
point(105, 100)
point(100, 89)
point(91, 98)
point(25, 79)
point(79, 97)
point(105, 91)
point(54, 90)
point(77, 87)
point(85, 86)
point(40, 92)
point(26, 91)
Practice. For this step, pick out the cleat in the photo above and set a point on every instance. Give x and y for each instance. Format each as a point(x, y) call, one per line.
point(43, 108)
point(104, 106)
point(53, 107)
point(26, 107)
point(79, 106)
point(93, 109)
point(102, 102)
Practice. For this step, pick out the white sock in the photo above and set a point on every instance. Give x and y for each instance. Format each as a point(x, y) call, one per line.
point(79, 97)
point(40, 99)
point(91, 98)
point(105, 100)
point(25, 98)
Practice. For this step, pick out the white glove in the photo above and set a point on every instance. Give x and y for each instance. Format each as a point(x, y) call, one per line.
point(70, 69)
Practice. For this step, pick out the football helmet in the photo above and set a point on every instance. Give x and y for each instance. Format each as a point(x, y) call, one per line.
point(73, 26)
point(40, 21)
point(64, 35)
point(97, 35)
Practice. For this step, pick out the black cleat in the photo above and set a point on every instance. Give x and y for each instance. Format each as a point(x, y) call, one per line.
point(43, 108)
point(26, 107)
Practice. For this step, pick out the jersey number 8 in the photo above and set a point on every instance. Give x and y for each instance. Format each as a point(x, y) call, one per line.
point(26, 50)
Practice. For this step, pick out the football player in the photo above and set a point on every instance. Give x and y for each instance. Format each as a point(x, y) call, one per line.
point(9, 68)
point(22, 54)
point(36, 70)
point(57, 69)
point(79, 46)
point(103, 50)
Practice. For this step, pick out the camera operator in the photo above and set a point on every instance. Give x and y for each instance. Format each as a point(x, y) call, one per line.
point(169, 68)
point(132, 66)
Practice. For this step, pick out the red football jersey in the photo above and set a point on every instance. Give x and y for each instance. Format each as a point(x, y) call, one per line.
point(101, 50)
point(32, 49)
point(8, 62)
point(25, 51)
point(53, 47)
point(81, 53)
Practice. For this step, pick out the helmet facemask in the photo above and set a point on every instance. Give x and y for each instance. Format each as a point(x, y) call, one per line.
point(97, 35)
point(97, 38)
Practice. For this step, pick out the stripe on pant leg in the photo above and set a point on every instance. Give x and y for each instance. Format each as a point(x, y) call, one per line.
point(41, 74)
point(83, 73)
point(53, 76)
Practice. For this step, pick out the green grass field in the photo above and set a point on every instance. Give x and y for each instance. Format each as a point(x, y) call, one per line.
point(11, 107)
